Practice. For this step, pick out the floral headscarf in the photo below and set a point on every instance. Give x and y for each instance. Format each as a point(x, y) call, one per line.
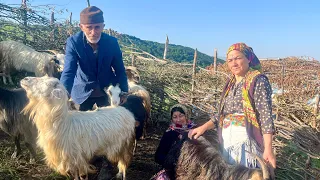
point(254, 62)
point(180, 128)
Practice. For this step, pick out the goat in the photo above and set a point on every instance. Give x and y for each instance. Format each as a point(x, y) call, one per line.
point(17, 56)
point(58, 58)
point(138, 90)
point(133, 103)
point(132, 74)
point(16, 124)
point(199, 159)
point(70, 139)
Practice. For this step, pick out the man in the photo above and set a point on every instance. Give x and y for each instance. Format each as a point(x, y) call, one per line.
point(93, 61)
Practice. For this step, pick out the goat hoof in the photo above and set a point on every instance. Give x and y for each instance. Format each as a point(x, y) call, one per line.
point(105, 173)
point(119, 176)
point(32, 161)
point(15, 155)
point(84, 177)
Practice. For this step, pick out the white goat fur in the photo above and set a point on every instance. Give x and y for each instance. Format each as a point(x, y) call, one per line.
point(71, 139)
point(15, 55)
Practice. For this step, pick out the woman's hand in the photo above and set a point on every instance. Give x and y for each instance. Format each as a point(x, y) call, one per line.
point(197, 132)
point(268, 154)
point(270, 157)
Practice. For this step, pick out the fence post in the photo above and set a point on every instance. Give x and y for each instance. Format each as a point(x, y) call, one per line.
point(315, 111)
point(24, 19)
point(133, 60)
point(282, 75)
point(70, 27)
point(70, 19)
point(52, 26)
point(215, 60)
point(194, 75)
point(166, 48)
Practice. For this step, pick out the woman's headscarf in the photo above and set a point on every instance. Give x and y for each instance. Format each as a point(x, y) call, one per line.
point(177, 127)
point(183, 107)
point(254, 62)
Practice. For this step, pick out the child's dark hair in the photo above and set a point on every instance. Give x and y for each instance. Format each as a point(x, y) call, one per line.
point(175, 109)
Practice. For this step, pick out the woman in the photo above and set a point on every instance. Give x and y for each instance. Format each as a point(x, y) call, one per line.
point(179, 123)
point(245, 114)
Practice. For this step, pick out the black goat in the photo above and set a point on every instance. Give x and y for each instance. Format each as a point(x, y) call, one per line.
point(134, 104)
point(15, 123)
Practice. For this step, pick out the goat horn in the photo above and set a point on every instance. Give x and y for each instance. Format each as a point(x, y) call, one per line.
point(265, 171)
point(52, 51)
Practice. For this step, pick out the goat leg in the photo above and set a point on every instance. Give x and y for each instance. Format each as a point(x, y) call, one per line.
point(17, 149)
point(10, 80)
point(4, 79)
point(84, 177)
point(32, 153)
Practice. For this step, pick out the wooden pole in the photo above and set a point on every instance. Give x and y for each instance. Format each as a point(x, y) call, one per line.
point(166, 48)
point(316, 106)
point(70, 19)
point(88, 3)
point(215, 60)
point(52, 25)
point(24, 19)
point(133, 60)
point(194, 75)
point(52, 18)
point(282, 76)
point(315, 111)
point(70, 29)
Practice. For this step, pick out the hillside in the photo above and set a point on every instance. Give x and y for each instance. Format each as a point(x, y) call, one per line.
point(176, 53)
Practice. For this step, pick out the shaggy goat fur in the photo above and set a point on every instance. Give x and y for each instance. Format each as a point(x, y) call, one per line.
point(16, 124)
point(70, 139)
point(17, 56)
point(199, 159)
point(133, 103)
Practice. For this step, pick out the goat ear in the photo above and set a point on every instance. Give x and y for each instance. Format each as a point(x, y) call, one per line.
point(57, 93)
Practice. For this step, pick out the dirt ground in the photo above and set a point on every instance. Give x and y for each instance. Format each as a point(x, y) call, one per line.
point(142, 167)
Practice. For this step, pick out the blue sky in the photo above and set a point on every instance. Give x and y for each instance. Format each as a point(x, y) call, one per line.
point(272, 28)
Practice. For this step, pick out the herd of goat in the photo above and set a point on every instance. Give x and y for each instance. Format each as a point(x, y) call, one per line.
point(41, 114)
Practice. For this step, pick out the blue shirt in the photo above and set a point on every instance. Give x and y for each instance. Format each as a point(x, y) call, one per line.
point(81, 75)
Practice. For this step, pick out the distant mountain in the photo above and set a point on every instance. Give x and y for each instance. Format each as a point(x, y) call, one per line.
point(176, 53)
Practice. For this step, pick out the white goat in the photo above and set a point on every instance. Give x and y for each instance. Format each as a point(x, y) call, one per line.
point(17, 56)
point(71, 139)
